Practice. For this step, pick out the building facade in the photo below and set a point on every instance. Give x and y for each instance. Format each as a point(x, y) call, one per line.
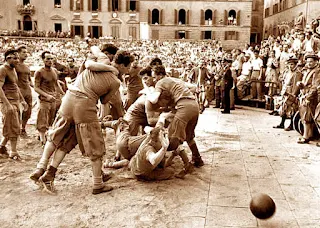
point(228, 21)
point(280, 15)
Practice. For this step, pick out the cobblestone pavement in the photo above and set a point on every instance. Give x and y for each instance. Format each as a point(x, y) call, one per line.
point(251, 157)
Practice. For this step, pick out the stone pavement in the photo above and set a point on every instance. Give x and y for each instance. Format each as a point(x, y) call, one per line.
point(251, 157)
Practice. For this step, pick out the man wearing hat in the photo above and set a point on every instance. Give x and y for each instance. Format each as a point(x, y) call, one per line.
point(308, 95)
point(289, 92)
point(227, 85)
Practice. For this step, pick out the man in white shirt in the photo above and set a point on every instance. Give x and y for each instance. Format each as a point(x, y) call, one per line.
point(244, 77)
point(256, 76)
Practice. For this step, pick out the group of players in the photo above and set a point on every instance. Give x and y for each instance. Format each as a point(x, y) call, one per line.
point(159, 114)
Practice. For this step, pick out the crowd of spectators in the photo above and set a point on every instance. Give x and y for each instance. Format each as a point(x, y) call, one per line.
point(258, 71)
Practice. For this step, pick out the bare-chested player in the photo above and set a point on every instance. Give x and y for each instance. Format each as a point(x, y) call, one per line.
point(46, 84)
point(77, 121)
point(10, 97)
point(25, 84)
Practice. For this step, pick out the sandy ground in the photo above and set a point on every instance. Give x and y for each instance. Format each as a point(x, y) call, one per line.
point(242, 153)
point(132, 203)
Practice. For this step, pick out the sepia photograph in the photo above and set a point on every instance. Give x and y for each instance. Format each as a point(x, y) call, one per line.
point(160, 113)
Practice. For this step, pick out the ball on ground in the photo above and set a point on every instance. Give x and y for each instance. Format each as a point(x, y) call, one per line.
point(262, 206)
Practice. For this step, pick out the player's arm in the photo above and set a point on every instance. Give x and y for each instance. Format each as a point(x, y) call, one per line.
point(152, 114)
point(156, 157)
point(3, 97)
point(100, 67)
point(153, 97)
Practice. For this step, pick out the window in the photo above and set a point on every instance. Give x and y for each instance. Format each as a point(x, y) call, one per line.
point(267, 12)
point(232, 17)
point(133, 32)
point(27, 23)
point(231, 35)
point(275, 8)
point(57, 27)
point(182, 17)
point(95, 5)
point(208, 17)
point(181, 35)
point(207, 35)
point(78, 5)
point(96, 31)
point(115, 31)
point(57, 3)
point(115, 5)
point(155, 16)
point(19, 25)
point(26, 2)
point(133, 5)
point(78, 30)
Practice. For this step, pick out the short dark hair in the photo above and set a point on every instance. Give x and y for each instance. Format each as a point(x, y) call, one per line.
point(160, 70)
point(147, 70)
point(43, 54)
point(123, 57)
point(154, 61)
point(110, 48)
point(20, 48)
point(9, 52)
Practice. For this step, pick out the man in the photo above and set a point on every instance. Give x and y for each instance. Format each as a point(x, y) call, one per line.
point(62, 72)
point(77, 121)
point(115, 105)
point(199, 76)
point(243, 79)
point(46, 85)
point(227, 85)
point(133, 84)
point(10, 97)
point(310, 44)
point(308, 97)
point(186, 117)
point(144, 164)
point(25, 84)
point(289, 92)
point(72, 69)
point(256, 77)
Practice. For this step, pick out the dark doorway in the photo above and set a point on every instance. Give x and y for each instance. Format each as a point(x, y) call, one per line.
point(182, 16)
point(155, 16)
point(95, 5)
point(95, 32)
point(207, 35)
point(182, 34)
point(57, 27)
point(27, 23)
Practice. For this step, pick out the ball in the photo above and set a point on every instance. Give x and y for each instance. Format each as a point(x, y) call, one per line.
point(262, 206)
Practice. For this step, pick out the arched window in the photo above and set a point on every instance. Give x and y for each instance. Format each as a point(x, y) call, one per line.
point(26, 2)
point(208, 15)
point(232, 17)
point(27, 23)
point(155, 16)
point(182, 17)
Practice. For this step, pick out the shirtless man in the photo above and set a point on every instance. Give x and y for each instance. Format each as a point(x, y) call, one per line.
point(145, 163)
point(77, 121)
point(46, 83)
point(185, 119)
point(10, 98)
point(25, 84)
